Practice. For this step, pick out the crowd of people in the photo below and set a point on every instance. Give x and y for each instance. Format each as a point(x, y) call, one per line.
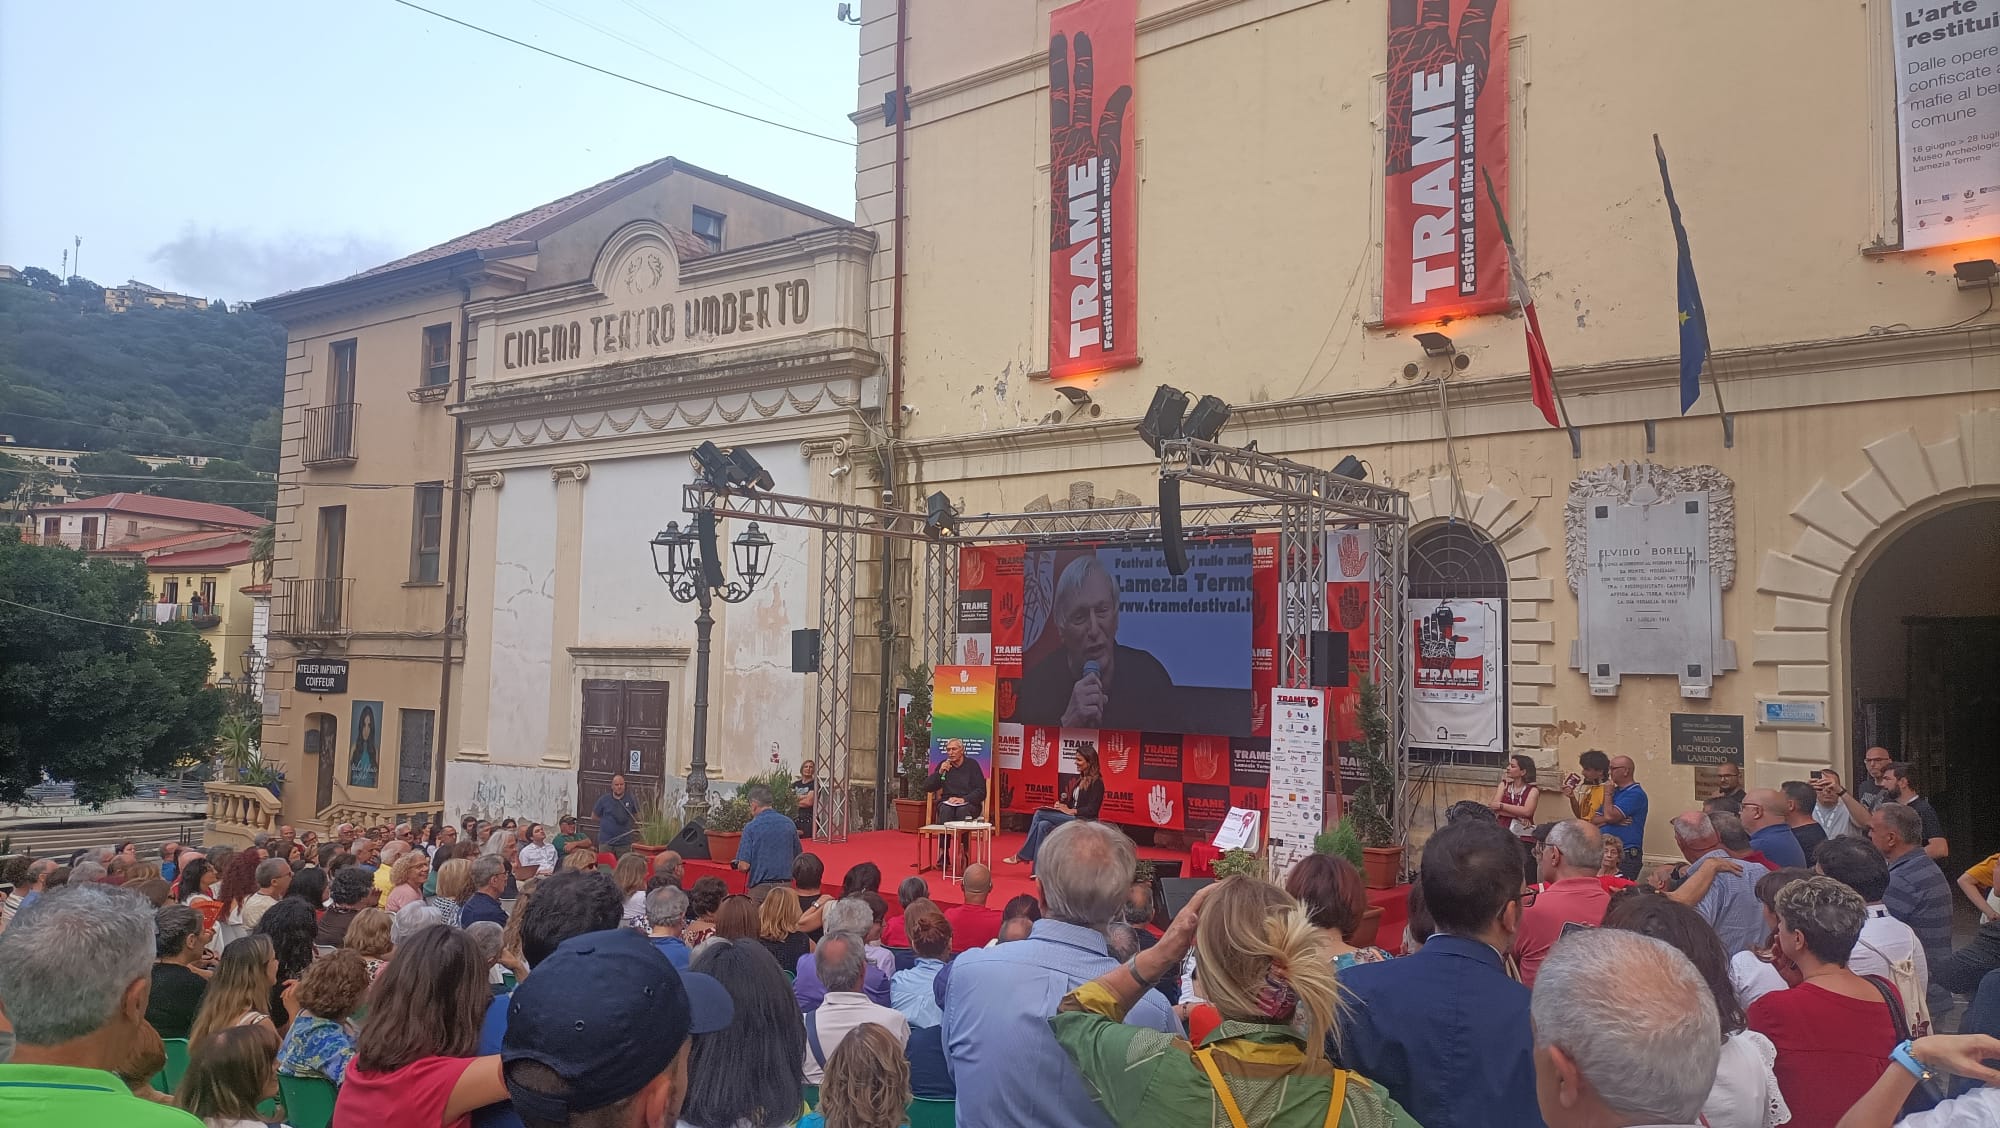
point(1797, 968)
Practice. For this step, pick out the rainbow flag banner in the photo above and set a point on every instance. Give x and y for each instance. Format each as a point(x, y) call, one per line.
point(962, 704)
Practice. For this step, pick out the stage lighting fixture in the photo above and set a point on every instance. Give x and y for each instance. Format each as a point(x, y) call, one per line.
point(748, 470)
point(941, 523)
point(715, 468)
point(1175, 548)
point(1350, 467)
point(1163, 416)
point(1207, 419)
point(1976, 273)
point(1436, 344)
point(1075, 395)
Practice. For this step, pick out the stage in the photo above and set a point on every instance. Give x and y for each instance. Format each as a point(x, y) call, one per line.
point(896, 853)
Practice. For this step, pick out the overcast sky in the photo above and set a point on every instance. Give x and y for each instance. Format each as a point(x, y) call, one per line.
point(240, 148)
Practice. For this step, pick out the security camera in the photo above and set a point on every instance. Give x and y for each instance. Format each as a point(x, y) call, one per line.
point(910, 409)
point(888, 497)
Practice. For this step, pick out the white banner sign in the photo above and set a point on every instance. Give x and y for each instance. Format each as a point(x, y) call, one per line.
point(1298, 776)
point(1948, 120)
point(1454, 697)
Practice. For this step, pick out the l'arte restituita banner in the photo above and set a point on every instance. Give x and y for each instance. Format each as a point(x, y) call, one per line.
point(1948, 120)
point(1093, 278)
point(1442, 253)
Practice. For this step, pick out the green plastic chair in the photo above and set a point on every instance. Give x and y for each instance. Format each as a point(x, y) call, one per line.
point(928, 1113)
point(308, 1100)
point(169, 1075)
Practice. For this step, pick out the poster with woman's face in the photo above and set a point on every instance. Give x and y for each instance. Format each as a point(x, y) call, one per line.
point(364, 758)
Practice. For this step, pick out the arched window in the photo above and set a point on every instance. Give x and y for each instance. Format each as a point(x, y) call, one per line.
point(1454, 560)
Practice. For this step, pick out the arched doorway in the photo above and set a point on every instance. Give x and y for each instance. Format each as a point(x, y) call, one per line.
point(1452, 560)
point(1923, 675)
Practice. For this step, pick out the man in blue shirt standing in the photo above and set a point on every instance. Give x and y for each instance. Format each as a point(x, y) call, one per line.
point(616, 813)
point(1624, 817)
point(1009, 1070)
point(1764, 813)
point(770, 842)
point(1446, 1030)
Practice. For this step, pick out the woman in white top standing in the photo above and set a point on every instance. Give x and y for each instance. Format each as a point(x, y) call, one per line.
point(539, 853)
point(1746, 1093)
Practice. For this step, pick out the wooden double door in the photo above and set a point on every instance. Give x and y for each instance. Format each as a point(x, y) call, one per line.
point(624, 733)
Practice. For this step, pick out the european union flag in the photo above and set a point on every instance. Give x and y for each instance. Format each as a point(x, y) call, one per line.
point(1693, 319)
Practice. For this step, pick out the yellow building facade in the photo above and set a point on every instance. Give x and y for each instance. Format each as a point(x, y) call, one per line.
point(1863, 383)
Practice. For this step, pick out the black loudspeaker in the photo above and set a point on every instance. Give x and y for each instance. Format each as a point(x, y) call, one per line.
point(1163, 871)
point(1180, 890)
point(691, 842)
point(1174, 546)
point(805, 651)
point(1329, 659)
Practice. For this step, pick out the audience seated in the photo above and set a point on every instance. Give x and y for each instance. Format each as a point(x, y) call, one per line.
point(750, 1073)
point(842, 963)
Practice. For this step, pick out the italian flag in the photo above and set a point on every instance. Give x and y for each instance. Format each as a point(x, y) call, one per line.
point(1540, 371)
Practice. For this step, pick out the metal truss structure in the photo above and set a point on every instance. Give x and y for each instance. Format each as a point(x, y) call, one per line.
point(1303, 503)
point(1311, 503)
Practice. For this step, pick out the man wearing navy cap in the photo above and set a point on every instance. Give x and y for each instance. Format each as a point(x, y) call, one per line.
point(599, 1034)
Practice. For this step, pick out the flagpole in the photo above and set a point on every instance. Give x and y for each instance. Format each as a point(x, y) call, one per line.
point(1722, 412)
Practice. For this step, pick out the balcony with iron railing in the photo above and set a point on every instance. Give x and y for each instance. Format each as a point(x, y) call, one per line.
point(311, 608)
point(202, 620)
point(329, 438)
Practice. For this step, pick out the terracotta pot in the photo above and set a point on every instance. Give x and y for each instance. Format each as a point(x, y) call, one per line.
point(722, 845)
point(1364, 933)
point(1382, 865)
point(909, 815)
point(648, 849)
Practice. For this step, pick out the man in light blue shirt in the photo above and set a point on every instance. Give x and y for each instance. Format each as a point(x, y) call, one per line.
point(770, 842)
point(1009, 1070)
point(1730, 905)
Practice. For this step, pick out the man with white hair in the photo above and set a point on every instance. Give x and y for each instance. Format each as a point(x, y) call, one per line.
point(1571, 893)
point(666, 916)
point(1730, 905)
point(274, 879)
point(76, 974)
point(841, 961)
point(1090, 680)
point(848, 914)
point(1010, 1071)
point(390, 853)
point(1624, 1033)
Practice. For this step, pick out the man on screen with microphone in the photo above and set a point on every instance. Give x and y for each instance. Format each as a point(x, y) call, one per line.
point(1092, 682)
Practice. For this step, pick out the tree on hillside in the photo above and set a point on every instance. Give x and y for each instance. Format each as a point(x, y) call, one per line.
point(110, 471)
point(24, 483)
point(91, 698)
point(224, 482)
point(84, 290)
point(42, 279)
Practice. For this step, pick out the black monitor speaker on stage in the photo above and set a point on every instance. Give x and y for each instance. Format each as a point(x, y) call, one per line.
point(691, 842)
point(1176, 892)
point(1329, 659)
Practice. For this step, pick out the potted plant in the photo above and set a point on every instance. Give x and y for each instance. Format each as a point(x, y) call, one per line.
point(913, 766)
point(1342, 842)
point(1237, 861)
point(1368, 808)
point(660, 819)
point(725, 823)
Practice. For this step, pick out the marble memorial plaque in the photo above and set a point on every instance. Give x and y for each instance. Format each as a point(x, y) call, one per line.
point(1650, 550)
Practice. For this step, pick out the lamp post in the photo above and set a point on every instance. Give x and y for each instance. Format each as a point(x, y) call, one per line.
point(687, 561)
point(248, 690)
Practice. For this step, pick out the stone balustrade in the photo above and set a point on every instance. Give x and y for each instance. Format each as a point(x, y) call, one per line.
point(364, 814)
point(238, 812)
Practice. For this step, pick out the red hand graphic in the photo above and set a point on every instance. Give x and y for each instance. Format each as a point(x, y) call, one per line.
point(1072, 92)
point(1421, 39)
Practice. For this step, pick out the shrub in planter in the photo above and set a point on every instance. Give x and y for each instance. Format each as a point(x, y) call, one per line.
point(1237, 861)
point(1341, 841)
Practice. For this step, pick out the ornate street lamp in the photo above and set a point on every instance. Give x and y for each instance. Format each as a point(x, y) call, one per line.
point(688, 562)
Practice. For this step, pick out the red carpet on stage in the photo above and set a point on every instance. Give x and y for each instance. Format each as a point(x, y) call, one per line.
point(896, 853)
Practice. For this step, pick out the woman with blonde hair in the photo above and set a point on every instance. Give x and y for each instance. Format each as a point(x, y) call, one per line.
point(239, 994)
point(867, 1083)
point(406, 880)
point(631, 878)
point(1260, 961)
point(778, 926)
point(372, 933)
point(454, 885)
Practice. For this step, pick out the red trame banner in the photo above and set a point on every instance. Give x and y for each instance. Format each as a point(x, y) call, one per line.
point(1442, 252)
point(1093, 277)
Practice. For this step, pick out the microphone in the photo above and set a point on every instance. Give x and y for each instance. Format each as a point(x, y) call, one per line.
point(1090, 667)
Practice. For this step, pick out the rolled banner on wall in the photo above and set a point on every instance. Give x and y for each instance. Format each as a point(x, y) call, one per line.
point(1093, 277)
point(1442, 254)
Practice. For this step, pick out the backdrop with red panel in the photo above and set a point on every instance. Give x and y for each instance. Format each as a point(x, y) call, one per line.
point(1175, 754)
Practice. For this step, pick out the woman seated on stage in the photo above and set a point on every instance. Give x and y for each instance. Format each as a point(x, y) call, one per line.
point(1085, 799)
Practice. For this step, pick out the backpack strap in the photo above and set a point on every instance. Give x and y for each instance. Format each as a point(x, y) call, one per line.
point(812, 1038)
point(1206, 1057)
